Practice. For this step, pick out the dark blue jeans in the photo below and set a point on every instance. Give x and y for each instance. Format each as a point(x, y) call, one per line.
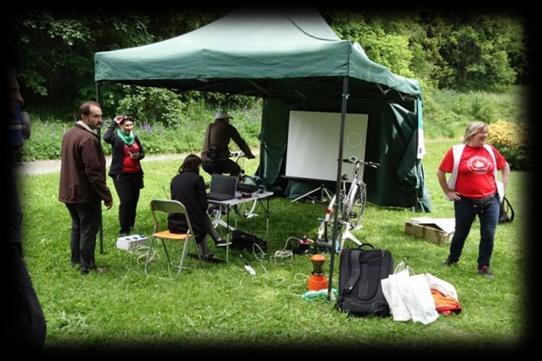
point(465, 212)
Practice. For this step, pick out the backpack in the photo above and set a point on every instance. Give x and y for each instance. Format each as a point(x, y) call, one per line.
point(360, 273)
point(506, 214)
point(245, 241)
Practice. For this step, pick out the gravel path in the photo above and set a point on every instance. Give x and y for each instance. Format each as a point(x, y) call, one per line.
point(53, 166)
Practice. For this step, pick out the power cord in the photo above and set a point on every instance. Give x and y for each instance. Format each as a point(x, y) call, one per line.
point(288, 252)
point(142, 252)
point(255, 248)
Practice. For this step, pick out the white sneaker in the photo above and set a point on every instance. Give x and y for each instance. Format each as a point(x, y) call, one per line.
point(222, 243)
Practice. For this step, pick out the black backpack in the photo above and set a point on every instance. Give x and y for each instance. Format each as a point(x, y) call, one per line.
point(506, 213)
point(360, 273)
point(245, 241)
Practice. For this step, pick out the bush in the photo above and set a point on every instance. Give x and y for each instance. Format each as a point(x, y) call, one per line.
point(513, 142)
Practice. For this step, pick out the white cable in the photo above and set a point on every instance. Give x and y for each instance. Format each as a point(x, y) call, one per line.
point(259, 259)
point(142, 251)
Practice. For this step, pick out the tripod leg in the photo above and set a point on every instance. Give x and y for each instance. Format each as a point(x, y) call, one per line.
point(327, 192)
point(306, 194)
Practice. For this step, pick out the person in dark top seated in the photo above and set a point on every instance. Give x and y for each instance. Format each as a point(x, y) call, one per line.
point(188, 188)
point(215, 153)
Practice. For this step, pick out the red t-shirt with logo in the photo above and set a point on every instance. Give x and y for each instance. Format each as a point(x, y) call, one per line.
point(475, 177)
point(130, 165)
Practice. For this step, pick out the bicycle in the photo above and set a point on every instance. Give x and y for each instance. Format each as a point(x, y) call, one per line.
point(350, 210)
point(247, 184)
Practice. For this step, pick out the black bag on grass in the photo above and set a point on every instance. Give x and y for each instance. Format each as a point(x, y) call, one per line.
point(244, 241)
point(507, 213)
point(360, 273)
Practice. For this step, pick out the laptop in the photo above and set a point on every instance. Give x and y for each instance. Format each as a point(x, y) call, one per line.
point(223, 187)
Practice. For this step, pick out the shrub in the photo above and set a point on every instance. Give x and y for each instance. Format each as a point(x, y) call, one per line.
point(513, 142)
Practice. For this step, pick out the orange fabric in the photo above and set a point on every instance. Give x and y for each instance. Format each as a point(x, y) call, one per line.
point(317, 282)
point(445, 304)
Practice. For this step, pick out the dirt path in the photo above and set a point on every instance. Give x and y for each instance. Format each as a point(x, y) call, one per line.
point(53, 166)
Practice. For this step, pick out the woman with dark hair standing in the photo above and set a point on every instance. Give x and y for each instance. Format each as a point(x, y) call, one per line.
point(188, 188)
point(125, 168)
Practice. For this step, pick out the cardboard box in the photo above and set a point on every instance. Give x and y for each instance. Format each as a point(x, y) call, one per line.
point(436, 230)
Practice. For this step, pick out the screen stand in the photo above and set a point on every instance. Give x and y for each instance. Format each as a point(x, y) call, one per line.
point(325, 194)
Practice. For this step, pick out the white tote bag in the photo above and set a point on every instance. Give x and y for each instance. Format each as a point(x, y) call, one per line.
point(417, 296)
point(391, 288)
point(446, 288)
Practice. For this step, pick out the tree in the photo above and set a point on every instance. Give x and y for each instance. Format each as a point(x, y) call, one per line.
point(55, 53)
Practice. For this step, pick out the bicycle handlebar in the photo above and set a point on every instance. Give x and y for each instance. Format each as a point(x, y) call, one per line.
point(355, 160)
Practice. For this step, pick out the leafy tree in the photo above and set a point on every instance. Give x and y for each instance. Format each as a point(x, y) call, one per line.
point(477, 51)
point(382, 44)
point(56, 52)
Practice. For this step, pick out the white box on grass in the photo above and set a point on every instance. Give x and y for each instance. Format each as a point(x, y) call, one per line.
point(130, 242)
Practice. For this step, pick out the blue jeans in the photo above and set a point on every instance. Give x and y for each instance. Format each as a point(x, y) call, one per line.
point(465, 212)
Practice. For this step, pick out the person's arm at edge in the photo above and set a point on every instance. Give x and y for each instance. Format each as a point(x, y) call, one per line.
point(95, 174)
point(109, 135)
point(241, 143)
point(450, 194)
point(505, 171)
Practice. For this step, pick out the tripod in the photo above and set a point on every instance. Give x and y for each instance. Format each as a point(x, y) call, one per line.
point(324, 192)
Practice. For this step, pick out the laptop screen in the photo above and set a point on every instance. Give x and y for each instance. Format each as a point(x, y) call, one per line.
point(223, 184)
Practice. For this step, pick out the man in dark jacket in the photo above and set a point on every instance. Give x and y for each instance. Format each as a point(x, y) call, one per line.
point(215, 154)
point(82, 184)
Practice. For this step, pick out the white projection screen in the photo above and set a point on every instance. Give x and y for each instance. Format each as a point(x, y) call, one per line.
point(313, 144)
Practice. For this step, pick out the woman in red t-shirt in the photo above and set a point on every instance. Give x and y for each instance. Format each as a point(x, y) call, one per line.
point(473, 188)
point(125, 168)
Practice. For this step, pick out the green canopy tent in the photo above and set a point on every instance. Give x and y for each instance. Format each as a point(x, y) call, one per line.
point(294, 61)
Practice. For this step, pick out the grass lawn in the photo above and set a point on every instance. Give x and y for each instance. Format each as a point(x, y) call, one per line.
point(220, 305)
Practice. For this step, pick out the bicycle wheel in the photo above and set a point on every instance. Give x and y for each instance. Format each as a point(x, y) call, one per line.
point(357, 208)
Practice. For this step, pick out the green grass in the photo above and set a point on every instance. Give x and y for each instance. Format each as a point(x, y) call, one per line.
point(221, 305)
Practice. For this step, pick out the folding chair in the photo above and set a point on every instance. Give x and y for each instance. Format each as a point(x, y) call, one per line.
point(170, 206)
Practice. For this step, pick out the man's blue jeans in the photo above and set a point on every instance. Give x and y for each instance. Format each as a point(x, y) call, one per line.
point(465, 212)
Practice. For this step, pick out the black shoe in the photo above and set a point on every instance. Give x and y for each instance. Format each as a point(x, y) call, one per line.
point(484, 271)
point(449, 262)
point(222, 243)
point(209, 257)
point(85, 271)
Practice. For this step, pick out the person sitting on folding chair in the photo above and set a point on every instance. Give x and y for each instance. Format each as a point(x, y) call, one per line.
point(188, 188)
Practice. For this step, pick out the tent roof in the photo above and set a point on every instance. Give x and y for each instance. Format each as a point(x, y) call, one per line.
point(254, 52)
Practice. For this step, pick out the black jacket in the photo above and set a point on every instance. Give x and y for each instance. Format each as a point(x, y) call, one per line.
point(217, 137)
point(117, 153)
point(188, 188)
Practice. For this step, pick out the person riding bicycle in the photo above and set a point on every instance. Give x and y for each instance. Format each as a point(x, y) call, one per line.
point(215, 153)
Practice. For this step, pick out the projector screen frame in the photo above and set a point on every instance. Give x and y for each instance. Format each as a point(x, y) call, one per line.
point(313, 144)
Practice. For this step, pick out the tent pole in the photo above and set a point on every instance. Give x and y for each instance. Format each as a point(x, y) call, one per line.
point(101, 236)
point(338, 194)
